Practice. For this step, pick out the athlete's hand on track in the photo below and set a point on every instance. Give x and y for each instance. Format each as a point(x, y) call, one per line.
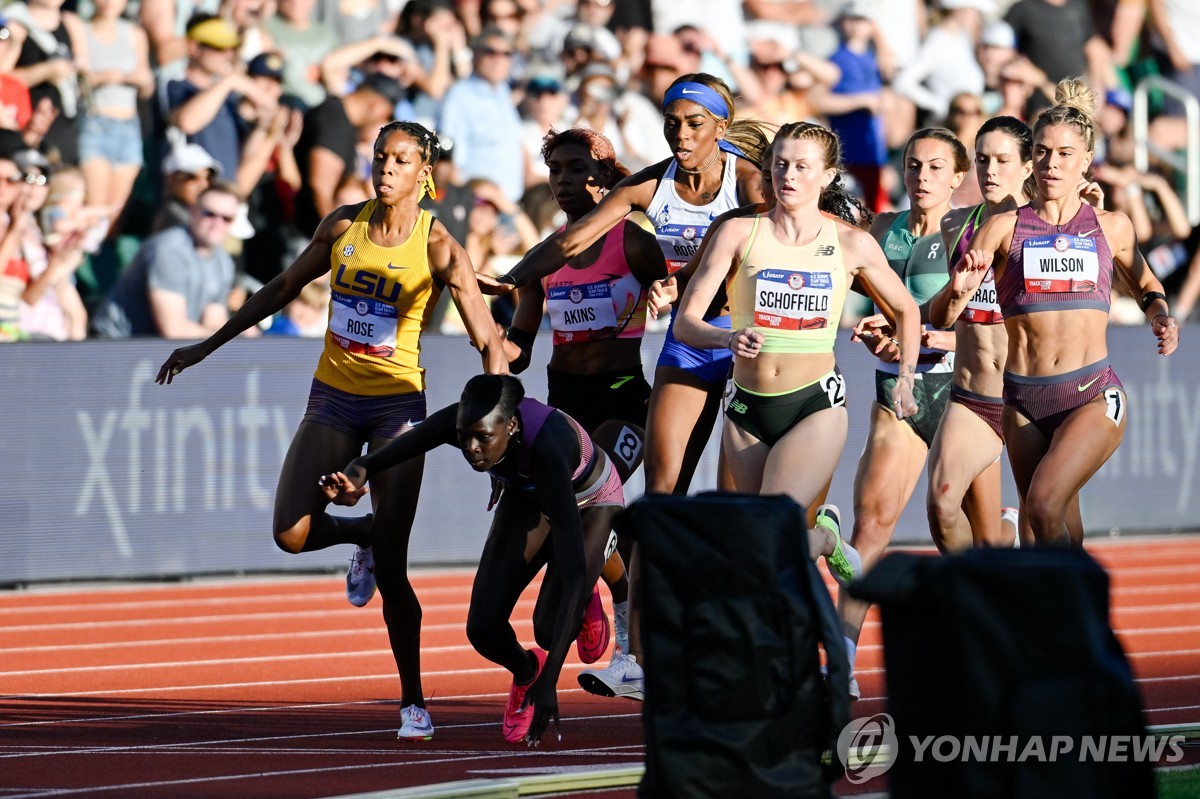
point(903, 401)
point(180, 359)
point(1167, 331)
point(497, 490)
point(340, 489)
point(543, 698)
point(662, 294)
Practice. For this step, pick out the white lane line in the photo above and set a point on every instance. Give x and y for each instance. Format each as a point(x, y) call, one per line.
point(307, 707)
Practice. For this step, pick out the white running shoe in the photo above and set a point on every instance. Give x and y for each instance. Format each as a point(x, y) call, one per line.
point(415, 724)
point(623, 677)
point(360, 577)
point(1012, 516)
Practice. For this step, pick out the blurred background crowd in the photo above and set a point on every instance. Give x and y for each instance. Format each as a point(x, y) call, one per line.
point(161, 159)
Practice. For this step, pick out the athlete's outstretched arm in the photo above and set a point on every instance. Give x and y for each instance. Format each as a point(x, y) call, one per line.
point(450, 263)
point(634, 193)
point(271, 298)
point(348, 486)
point(555, 453)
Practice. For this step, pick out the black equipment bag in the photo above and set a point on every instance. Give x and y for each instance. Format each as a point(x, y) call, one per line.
point(1005, 643)
point(733, 610)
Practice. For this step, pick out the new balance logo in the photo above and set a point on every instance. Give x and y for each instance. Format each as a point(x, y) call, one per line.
point(737, 406)
point(826, 249)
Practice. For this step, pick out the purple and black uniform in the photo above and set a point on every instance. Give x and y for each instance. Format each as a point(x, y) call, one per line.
point(1057, 268)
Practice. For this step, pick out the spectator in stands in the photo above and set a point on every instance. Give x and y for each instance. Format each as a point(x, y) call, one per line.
point(854, 103)
point(585, 44)
point(438, 36)
point(304, 43)
point(249, 17)
point(665, 61)
point(53, 248)
point(14, 272)
point(997, 49)
point(480, 117)
point(326, 150)
point(343, 69)
point(203, 105)
point(963, 118)
point(357, 21)
point(543, 109)
point(46, 51)
point(946, 64)
point(269, 177)
point(785, 81)
point(187, 171)
point(15, 107)
point(1178, 25)
point(110, 139)
point(179, 282)
point(1059, 37)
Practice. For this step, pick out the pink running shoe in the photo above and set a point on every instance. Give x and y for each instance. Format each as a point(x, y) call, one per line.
point(593, 635)
point(517, 719)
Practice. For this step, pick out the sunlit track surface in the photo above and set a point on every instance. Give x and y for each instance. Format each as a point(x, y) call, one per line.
point(276, 687)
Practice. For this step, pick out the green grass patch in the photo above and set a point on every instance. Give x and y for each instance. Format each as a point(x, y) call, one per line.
point(1183, 783)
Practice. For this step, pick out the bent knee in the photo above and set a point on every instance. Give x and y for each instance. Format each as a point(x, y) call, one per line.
point(292, 539)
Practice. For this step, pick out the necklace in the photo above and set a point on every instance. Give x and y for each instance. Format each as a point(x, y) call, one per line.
point(703, 167)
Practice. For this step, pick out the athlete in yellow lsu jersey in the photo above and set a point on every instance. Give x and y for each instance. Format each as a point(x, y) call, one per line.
point(387, 259)
point(787, 272)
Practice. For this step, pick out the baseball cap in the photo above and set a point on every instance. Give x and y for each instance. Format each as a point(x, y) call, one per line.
point(864, 9)
point(266, 65)
point(29, 158)
point(387, 88)
point(593, 38)
point(986, 7)
point(216, 32)
point(190, 158)
point(998, 34)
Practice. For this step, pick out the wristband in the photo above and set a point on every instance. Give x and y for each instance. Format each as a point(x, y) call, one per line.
point(507, 278)
point(1151, 296)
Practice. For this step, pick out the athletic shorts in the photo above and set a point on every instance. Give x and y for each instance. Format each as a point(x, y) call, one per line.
point(931, 390)
point(711, 366)
point(364, 418)
point(606, 491)
point(593, 400)
point(989, 409)
point(769, 417)
point(1048, 401)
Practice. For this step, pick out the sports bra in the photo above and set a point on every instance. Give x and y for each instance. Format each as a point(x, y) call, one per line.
point(1056, 267)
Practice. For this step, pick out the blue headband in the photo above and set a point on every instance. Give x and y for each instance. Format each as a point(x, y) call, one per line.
point(700, 94)
point(708, 99)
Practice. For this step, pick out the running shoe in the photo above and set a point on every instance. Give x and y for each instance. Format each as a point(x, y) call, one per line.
point(415, 724)
point(623, 677)
point(360, 577)
point(1012, 516)
point(516, 718)
point(595, 632)
point(855, 691)
point(621, 625)
point(844, 562)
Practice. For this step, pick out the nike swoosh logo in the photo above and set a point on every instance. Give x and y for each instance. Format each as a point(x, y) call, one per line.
point(1088, 233)
point(1085, 386)
point(393, 266)
point(621, 382)
point(688, 91)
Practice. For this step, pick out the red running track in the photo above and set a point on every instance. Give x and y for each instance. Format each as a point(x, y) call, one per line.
point(278, 688)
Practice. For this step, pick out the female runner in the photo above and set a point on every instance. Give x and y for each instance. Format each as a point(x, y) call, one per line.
point(550, 468)
point(597, 306)
point(787, 272)
point(1054, 259)
point(935, 163)
point(388, 261)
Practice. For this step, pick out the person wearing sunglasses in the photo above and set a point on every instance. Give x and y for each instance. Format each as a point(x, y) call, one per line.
point(178, 283)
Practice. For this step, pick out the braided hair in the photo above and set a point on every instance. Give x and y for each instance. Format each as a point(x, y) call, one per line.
point(834, 198)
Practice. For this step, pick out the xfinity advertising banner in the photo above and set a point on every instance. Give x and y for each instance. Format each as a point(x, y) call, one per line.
point(105, 474)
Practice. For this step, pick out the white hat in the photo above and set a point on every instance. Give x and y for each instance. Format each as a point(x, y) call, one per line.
point(998, 34)
point(592, 37)
point(859, 8)
point(241, 228)
point(985, 7)
point(190, 158)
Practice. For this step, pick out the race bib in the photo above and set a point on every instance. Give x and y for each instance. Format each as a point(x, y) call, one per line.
point(579, 309)
point(363, 325)
point(982, 308)
point(679, 243)
point(1061, 263)
point(786, 300)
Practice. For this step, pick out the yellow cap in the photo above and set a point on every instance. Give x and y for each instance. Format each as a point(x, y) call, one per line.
point(217, 33)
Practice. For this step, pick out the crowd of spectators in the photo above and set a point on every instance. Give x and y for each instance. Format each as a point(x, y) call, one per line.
point(161, 159)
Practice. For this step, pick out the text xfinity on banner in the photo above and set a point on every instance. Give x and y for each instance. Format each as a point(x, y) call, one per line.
point(104, 473)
